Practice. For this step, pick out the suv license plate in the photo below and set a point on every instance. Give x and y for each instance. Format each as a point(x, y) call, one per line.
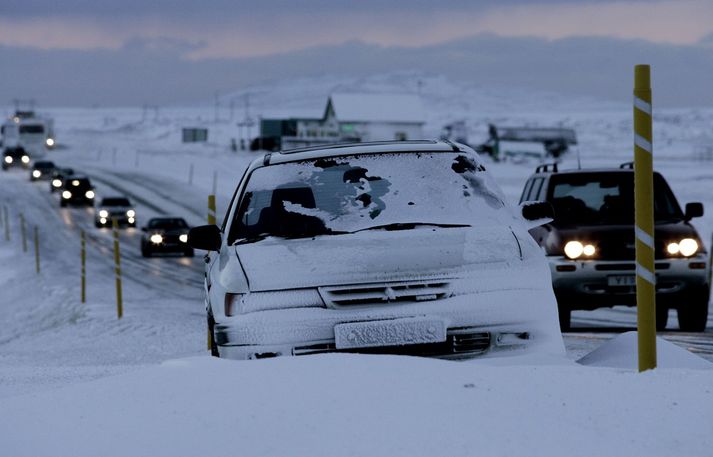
point(393, 332)
point(622, 280)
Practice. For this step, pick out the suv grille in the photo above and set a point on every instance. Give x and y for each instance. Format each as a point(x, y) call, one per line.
point(379, 294)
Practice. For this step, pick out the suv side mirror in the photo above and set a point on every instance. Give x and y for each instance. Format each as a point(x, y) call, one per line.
point(537, 213)
point(693, 210)
point(206, 237)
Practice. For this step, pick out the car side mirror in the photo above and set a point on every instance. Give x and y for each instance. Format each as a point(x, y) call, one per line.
point(693, 210)
point(537, 213)
point(205, 237)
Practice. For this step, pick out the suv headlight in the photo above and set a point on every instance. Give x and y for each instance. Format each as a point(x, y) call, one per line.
point(686, 247)
point(575, 249)
point(156, 238)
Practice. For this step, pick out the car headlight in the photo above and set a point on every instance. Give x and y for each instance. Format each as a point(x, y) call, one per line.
point(104, 213)
point(131, 213)
point(8, 159)
point(131, 220)
point(686, 247)
point(89, 194)
point(156, 238)
point(66, 194)
point(102, 220)
point(183, 238)
point(575, 249)
point(25, 159)
point(49, 142)
point(36, 173)
point(57, 182)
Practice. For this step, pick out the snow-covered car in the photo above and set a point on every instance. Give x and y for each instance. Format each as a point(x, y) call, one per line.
point(119, 208)
point(165, 235)
point(15, 157)
point(404, 247)
point(77, 190)
point(591, 244)
point(42, 170)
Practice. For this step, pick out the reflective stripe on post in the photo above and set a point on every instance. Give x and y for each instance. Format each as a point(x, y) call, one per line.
point(117, 269)
point(644, 218)
point(211, 210)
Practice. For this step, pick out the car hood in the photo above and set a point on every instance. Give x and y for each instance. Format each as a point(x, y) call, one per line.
point(375, 256)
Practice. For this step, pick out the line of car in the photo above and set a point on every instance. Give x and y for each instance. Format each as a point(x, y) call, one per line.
point(161, 235)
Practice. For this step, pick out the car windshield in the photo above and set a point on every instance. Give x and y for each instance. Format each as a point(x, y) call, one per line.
point(32, 129)
point(389, 191)
point(167, 223)
point(605, 199)
point(115, 201)
point(44, 165)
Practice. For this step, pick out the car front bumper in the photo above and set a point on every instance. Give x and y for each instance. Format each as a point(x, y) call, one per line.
point(592, 284)
point(504, 321)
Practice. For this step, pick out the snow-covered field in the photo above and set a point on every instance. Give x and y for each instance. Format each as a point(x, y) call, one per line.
point(76, 381)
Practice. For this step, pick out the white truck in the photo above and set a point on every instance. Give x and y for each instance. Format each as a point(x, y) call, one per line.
point(27, 130)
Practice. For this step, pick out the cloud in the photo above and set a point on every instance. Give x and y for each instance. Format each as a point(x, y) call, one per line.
point(159, 73)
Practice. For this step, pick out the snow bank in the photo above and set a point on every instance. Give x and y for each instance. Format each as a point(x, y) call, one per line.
point(365, 405)
point(622, 352)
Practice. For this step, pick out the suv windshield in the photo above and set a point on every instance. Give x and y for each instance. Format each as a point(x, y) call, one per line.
point(167, 223)
point(32, 129)
point(390, 191)
point(605, 199)
point(116, 202)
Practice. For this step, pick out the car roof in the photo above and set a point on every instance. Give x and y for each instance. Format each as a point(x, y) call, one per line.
point(375, 147)
point(576, 171)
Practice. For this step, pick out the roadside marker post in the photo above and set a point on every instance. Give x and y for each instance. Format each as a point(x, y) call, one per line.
point(211, 209)
point(37, 250)
point(211, 221)
point(83, 238)
point(7, 223)
point(24, 234)
point(644, 218)
point(117, 269)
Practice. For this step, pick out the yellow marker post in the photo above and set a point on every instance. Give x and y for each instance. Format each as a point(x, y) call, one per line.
point(84, 265)
point(211, 221)
point(37, 250)
point(117, 269)
point(22, 230)
point(644, 218)
point(7, 223)
point(211, 209)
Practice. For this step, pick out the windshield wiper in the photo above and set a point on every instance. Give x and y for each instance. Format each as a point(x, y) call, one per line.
point(409, 226)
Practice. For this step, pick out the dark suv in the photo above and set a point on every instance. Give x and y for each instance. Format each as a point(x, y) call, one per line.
point(591, 250)
point(77, 190)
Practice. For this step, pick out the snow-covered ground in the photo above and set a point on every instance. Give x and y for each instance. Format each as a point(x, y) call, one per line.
point(74, 380)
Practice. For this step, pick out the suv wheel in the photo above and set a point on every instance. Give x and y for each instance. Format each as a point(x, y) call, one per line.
point(693, 316)
point(565, 315)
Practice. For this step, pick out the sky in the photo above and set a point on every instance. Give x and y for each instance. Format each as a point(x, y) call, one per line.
point(79, 52)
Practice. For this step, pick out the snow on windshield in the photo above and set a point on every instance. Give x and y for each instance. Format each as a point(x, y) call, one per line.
point(345, 194)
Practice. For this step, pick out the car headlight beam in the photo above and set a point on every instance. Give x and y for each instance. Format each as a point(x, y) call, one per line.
point(36, 173)
point(57, 183)
point(687, 247)
point(183, 238)
point(49, 142)
point(66, 195)
point(8, 159)
point(89, 194)
point(156, 238)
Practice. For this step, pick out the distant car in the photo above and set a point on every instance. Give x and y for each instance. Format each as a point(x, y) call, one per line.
point(165, 235)
point(590, 244)
point(402, 247)
point(42, 170)
point(15, 157)
point(78, 191)
point(58, 176)
point(119, 208)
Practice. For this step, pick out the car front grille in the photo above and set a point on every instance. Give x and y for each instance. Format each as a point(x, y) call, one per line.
point(459, 342)
point(379, 294)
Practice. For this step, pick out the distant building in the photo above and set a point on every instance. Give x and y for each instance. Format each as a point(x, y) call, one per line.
point(348, 117)
point(194, 135)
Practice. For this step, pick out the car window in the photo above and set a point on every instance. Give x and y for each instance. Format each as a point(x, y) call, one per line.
point(526, 190)
point(606, 198)
point(116, 202)
point(535, 189)
point(351, 193)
